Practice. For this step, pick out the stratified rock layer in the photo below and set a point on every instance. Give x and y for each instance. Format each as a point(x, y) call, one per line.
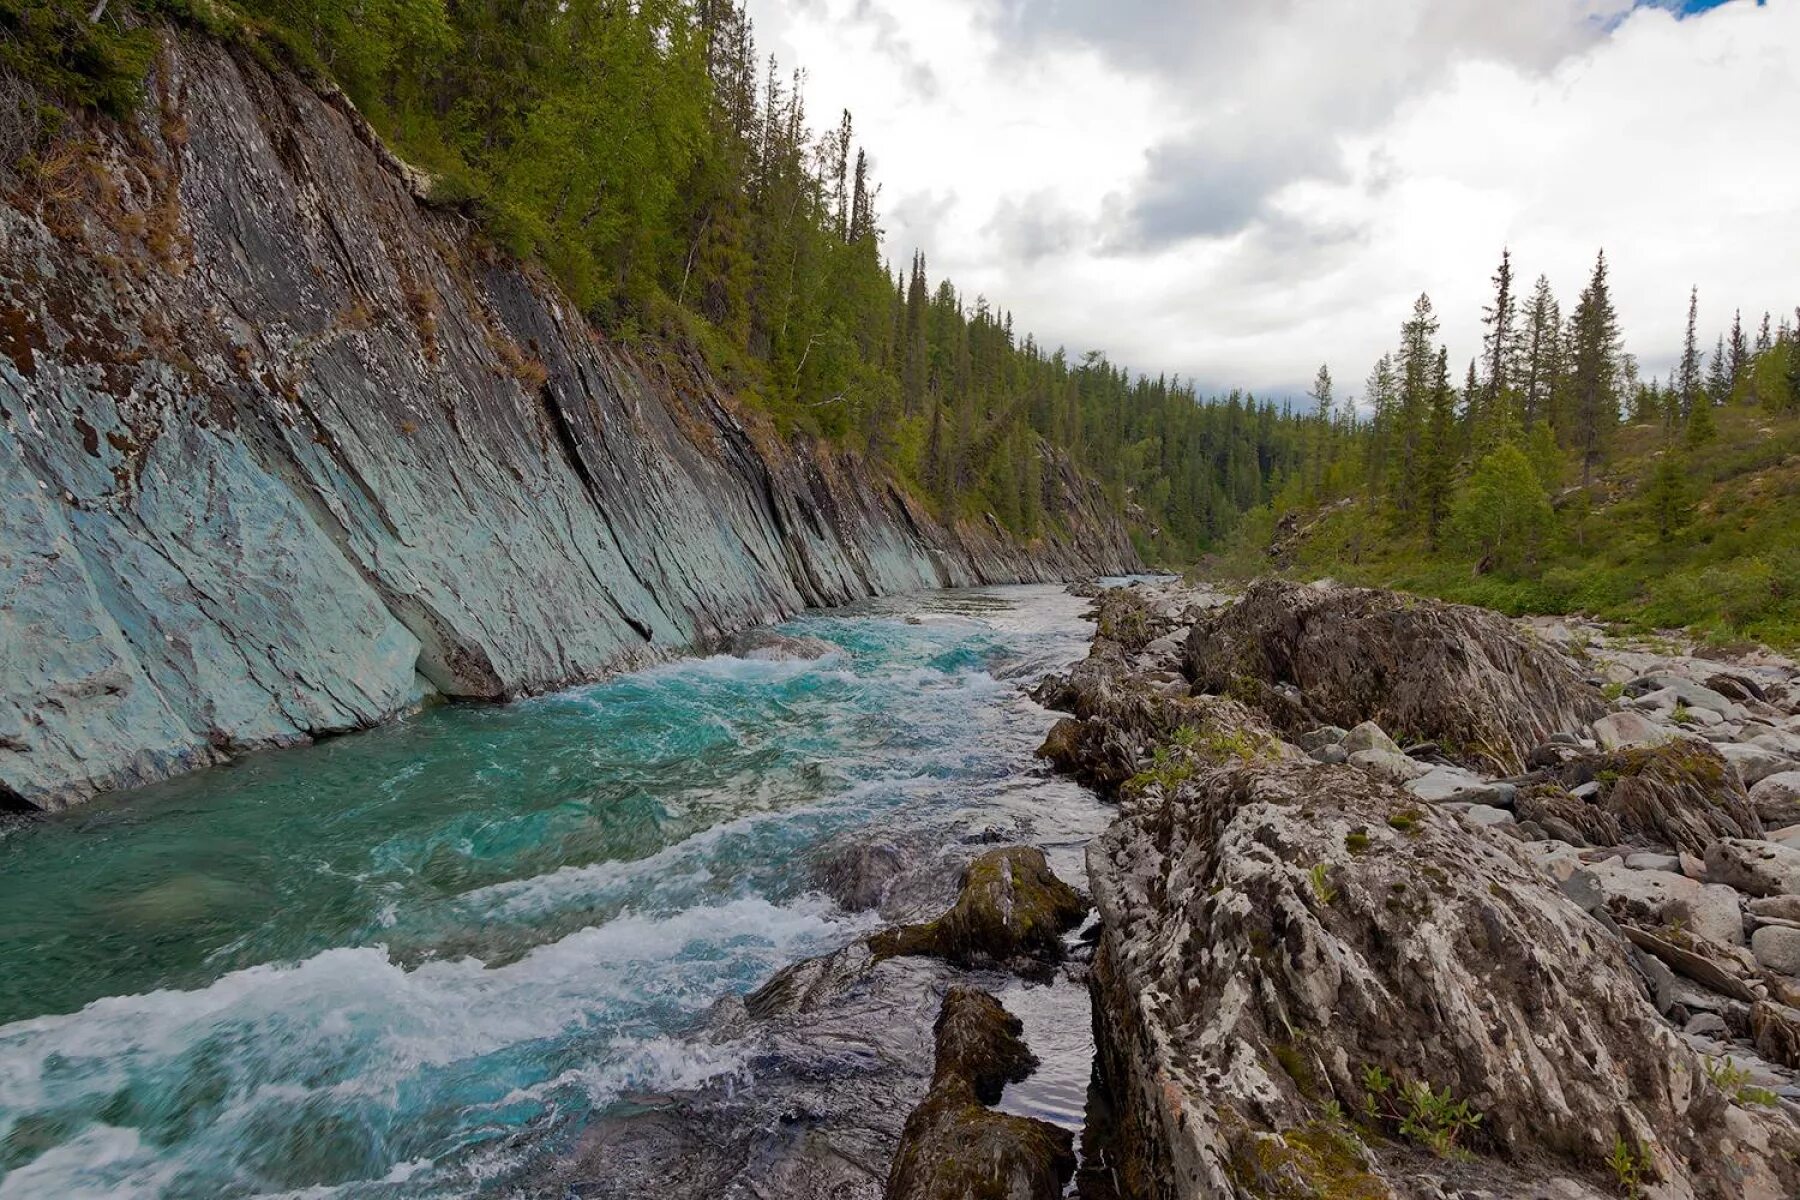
point(1463, 677)
point(282, 449)
point(1275, 933)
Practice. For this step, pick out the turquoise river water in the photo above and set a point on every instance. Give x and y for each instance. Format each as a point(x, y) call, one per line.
point(414, 961)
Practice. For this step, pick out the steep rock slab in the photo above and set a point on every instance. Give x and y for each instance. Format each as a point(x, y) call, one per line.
point(276, 441)
point(1463, 677)
point(1290, 950)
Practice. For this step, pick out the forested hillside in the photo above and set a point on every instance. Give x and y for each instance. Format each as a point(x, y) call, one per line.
point(671, 181)
point(1554, 478)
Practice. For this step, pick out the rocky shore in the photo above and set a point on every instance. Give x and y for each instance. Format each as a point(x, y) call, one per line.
point(1403, 899)
point(1406, 898)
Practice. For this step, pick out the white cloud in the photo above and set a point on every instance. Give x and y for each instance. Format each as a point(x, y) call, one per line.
point(1237, 192)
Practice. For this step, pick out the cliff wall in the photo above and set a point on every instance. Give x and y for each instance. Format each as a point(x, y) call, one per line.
point(283, 449)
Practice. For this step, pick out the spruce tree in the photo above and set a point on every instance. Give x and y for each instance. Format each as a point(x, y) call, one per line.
point(1415, 365)
point(1687, 376)
point(1718, 375)
point(1594, 370)
point(1667, 494)
point(1542, 354)
point(1738, 364)
point(1437, 470)
point(1498, 343)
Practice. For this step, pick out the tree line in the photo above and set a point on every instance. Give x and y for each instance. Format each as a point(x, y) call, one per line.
point(670, 178)
point(1478, 460)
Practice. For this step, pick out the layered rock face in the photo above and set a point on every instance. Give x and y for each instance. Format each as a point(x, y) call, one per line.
point(1383, 973)
point(282, 450)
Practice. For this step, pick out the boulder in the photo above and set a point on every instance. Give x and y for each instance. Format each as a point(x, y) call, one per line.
point(1463, 677)
point(1757, 867)
point(1012, 909)
point(1754, 764)
point(1325, 735)
point(857, 877)
point(774, 646)
point(1445, 783)
point(1777, 947)
point(1482, 815)
point(1617, 730)
point(1369, 736)
point(1664, 898)
point(1285, 943)
point(1776, 798)
point(1389, 764)
point(1668, 690)
point(954, 1147)
point(1779, 908)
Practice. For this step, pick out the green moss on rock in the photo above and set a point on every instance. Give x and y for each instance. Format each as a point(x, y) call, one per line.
point(1012, 906)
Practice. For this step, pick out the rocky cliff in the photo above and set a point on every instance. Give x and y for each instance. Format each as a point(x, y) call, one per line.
point(283, 449)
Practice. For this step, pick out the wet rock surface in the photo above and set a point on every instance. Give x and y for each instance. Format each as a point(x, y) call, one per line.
point(954, 1146)
point(283, 451)
point(1011, 911)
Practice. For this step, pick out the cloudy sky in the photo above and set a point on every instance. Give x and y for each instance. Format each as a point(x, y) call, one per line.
point(1238, 190)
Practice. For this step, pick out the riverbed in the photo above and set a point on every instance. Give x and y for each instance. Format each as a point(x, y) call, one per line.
point(418, 961)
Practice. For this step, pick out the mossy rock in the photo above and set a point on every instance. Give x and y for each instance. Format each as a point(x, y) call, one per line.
point(1011, 907)
point(980, 1042)
point(1318, 1161)
point(1679, 794)
point(954, 1147)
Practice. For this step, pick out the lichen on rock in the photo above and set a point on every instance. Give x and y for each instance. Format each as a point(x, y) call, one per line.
point(1256, 968)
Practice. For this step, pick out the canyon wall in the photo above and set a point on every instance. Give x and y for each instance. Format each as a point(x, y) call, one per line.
point(284, 449)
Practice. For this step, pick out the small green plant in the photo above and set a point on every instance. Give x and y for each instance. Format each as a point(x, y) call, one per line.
point(1630, 1165)
point(1357, 840)
point(1613, 691)
point(1682, 715)
point(1406, 820)
point(1333, 1111)
point(1321, 889)
point(1433, 1119)
point(1734, 1081)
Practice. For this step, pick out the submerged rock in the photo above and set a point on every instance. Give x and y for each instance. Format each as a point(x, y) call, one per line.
point(1287, 945)
point(769, 645)
point(858, 877)
point(954, 1147)
point(1011, 909)
point(1463, 677)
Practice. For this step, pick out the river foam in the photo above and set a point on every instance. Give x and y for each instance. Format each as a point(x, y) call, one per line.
point(413, 962)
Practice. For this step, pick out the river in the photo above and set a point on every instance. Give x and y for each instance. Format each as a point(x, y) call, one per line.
point(414, 961)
